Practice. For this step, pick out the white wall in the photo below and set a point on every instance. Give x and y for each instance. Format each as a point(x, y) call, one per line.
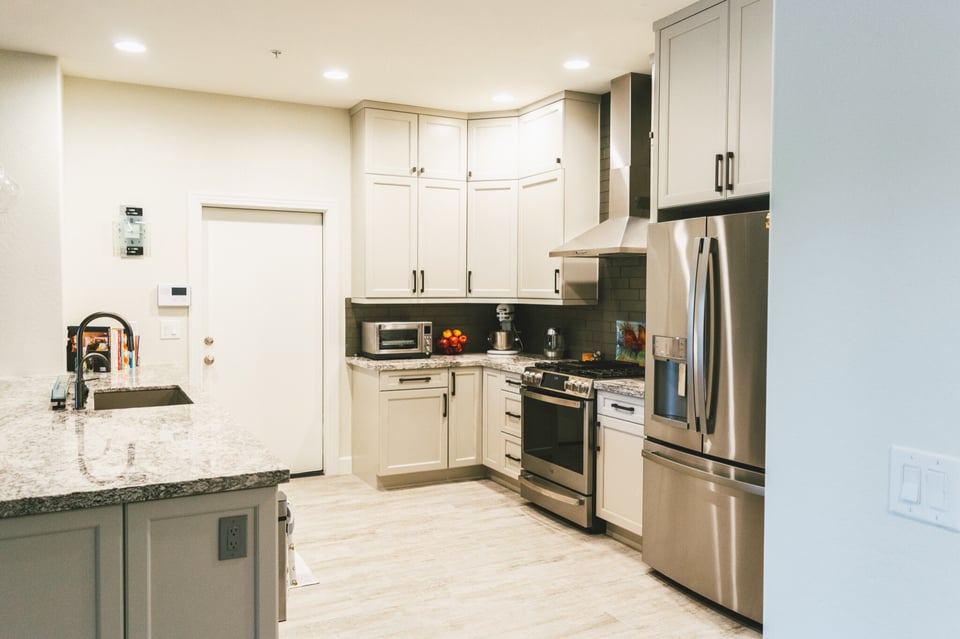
point(864, 315)
point(32, 337)
point(151, 147)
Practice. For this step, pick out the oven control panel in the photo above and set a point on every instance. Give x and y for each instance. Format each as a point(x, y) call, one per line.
point(565, 384)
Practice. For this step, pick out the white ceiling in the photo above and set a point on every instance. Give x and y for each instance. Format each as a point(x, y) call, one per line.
point(446, 54)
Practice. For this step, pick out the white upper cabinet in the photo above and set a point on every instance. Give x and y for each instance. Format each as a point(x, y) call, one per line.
point(492, 245)
point(408, 144)
point(492, 148)
point(541, 139)
point(389, 266)
point(713, 79)
point(390, 142)
point(442, 238)
point(540, 229)
point(442, 148)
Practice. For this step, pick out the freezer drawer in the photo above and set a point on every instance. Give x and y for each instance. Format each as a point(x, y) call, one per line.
point(703, 527)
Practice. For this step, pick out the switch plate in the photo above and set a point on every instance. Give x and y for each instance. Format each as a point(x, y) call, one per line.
point(169, 329)
point(923, 486)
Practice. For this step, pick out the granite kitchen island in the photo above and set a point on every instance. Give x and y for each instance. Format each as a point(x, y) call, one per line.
point(110, 520)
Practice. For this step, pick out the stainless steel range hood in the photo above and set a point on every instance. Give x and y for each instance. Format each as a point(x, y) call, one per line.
point(625, 232)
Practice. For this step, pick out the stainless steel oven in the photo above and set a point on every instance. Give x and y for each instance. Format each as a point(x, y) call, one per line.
point(558, 435)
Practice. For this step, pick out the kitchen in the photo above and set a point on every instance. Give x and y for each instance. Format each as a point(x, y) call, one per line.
point(871, 556)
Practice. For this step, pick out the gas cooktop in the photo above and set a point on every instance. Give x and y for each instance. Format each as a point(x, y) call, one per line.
point(572, 377)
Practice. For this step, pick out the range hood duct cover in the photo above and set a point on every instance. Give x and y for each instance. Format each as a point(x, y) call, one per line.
point(625, 232)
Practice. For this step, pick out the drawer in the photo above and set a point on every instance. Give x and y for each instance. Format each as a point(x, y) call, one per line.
point(416, 378)
point(511, 414)
point(629, 409)
point(511, 455)
point(511, 383)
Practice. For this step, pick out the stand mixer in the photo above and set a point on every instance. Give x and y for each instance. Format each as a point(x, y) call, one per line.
point(506, 341)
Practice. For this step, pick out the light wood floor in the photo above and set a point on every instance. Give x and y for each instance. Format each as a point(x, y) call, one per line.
point(471, 559)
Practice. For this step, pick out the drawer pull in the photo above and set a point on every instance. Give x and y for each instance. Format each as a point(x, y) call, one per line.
point(512, 382)
point(512, 458)
point(628, 409)
point(509, 414)
point(404, 380)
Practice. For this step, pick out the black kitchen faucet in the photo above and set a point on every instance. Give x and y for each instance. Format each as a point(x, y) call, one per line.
point(80, 393)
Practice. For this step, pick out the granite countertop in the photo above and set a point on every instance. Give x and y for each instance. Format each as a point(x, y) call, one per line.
point(631, 387)
point(509, 363)
point(56, 460)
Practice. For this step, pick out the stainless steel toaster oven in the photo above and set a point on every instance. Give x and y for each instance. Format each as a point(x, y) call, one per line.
point(396, 340)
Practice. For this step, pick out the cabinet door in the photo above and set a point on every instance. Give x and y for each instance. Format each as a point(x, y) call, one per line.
point(751, 91)
point(512, 451)
point(492, 244)
point(465, 423)
point(390, 142)
point(540, 229)
point(620, 474)
point(442, 148)
point(541, 139)
point(442, 229)
point(61, 574)
point(413, 430)
point(492, 148)
point(692, 108)
point(391, 237)
point(492, 420)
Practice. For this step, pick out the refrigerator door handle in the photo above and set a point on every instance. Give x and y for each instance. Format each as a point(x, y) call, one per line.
point(720, 480)
point(699, 332)
point(693, 413)
point(707, 344)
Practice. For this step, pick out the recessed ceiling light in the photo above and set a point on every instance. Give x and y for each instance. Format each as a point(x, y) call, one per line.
point(335, 74)
point(129, 46)
point(503, 97)
point(576, 65)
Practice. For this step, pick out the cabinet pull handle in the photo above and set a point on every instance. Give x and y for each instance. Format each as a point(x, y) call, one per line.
point(404, 380)
point(469, 281)
point(556, 281)
point(421, 170)
point(469, 174)
point(413, 169)
point(512, 382)
point(453, 384)
point(422, 278)
point(558, 161)
point(511, 457)
point(717, 169)
point(628, 409)
point(729, 170)
point(509, 414)
point(444, 404)
point(414, 281)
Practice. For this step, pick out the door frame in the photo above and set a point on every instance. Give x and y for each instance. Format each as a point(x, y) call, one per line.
point(332, 330)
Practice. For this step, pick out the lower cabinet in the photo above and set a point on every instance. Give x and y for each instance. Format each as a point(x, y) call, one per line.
point(62, 574)
point(415, 421)
point(501, 422)
point(619, 461)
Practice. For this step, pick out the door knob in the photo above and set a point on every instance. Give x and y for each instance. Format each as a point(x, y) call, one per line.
point(208, 340)
point(207, 360)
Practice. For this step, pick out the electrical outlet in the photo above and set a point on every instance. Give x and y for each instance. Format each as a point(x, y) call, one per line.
point(232, 542)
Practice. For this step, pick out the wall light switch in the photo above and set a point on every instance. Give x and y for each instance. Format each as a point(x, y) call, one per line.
point(923, 486)
point(169, 329)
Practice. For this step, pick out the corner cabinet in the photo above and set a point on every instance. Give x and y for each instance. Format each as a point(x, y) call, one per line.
point(409, 205)
point(415, 425)
point(714, 94)
point(619, 461)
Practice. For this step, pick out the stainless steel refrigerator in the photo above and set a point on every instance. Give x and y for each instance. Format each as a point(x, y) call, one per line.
point(703, 460)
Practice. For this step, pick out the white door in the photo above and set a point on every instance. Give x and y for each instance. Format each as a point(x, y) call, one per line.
point(263, 312)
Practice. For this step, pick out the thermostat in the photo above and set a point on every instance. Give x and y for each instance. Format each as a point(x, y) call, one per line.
point(173, 295)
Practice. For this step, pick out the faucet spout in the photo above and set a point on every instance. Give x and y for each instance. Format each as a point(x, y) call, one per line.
point(80, 394)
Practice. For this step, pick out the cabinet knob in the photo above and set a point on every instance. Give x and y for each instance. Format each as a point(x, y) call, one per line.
point(413, 169)
point(558, 160)
point(208, 360)
point(208, 340)
point(421, 170)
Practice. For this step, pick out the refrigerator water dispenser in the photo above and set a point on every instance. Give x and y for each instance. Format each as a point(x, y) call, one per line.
point(670, 375)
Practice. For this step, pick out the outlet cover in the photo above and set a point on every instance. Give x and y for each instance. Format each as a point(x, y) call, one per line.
point(232, 537)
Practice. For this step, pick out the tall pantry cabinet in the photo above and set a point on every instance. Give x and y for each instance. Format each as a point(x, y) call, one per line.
point(409, 204)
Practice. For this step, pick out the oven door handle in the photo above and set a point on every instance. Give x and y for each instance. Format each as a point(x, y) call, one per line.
point(565, 499)
point(550, 399)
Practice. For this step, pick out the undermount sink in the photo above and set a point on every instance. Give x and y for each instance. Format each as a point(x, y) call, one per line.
point(140, 398)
